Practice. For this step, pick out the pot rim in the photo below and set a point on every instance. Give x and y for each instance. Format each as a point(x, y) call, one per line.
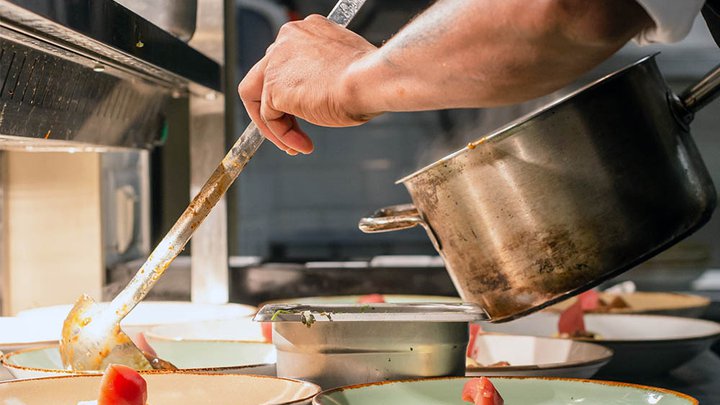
point(541, 111)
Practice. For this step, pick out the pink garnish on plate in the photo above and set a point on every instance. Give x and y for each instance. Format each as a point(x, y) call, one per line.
point(571, 320)
point(590, 300)
point(371, 299)
point(142, 344)
point(480, 391)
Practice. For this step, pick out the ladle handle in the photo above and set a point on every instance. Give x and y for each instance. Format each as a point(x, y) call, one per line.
point(175, 240)
point(703, 92)
point(210, 193)
point(391, 218)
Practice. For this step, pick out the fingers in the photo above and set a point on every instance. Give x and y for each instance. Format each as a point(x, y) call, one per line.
point(284, 127)
point(250, 90)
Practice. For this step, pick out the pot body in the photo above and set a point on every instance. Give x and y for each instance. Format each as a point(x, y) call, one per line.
point(333, 354)
point(566, 198)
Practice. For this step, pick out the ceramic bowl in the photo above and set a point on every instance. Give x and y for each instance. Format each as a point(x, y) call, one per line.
point(535, 356)
point(148, 314)
point(642, 344)
point(514, 390)
point(213, 357)
point(228, 330)
point(166, 389)
point(657, 303)
point(19, 333)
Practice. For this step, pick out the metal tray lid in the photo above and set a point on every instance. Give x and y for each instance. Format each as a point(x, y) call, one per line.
point(405, 312)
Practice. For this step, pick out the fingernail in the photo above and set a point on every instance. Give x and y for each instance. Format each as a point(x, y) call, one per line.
point(291, 152)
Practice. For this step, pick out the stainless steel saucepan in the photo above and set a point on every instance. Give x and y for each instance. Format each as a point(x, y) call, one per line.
point(567, 197)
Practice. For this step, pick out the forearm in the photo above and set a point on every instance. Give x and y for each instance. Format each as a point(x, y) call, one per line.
point(482, 53)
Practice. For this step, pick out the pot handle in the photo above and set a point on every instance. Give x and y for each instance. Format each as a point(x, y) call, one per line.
point(391, 218)
point(703, 92)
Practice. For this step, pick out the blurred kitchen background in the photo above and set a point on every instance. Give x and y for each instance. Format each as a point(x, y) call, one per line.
point(86, 218)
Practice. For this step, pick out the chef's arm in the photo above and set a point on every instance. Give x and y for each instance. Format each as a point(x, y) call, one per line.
point(482, 53)
point(457, 53)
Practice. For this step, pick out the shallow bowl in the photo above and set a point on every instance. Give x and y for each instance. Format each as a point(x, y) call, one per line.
point(514, 390)
point(211, 357)
point(166, 389)
point(642, 344)
point(147, 314)
point(536, 356)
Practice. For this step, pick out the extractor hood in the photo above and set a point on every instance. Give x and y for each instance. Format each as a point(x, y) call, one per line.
point(91, 74)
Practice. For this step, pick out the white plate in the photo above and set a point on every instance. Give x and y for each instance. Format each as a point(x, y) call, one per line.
point(148, 314)
point(214, 357)
point(165, 389)
point(536, 356)
point(18, 333)
point(642, 344)
point(241, 329)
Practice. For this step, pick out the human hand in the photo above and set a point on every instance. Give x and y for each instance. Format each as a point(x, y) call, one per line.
point(306, 73)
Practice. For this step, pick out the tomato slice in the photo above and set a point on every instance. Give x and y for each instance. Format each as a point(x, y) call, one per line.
point(122, 385)
point(267, 331)
point(475, 329)
point(371, 299)
point(480, 391)
point(571, 320)
point(590, 300)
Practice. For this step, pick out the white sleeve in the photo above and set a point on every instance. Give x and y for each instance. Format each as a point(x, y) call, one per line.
point(673, 20)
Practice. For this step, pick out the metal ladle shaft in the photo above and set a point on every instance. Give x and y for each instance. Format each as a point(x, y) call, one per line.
point(210, 193)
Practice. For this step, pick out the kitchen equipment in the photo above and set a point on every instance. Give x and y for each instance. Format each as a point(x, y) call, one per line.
point(178, 17)
point(533, 356)
point(568, 197)
point(91, 337)
point(518, 390)
point(340, 344)
point(168, 389)
point(644, 345)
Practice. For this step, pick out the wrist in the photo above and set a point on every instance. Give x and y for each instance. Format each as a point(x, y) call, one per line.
point(360, 88)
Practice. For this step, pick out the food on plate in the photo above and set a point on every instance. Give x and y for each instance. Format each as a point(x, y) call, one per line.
point(475, 329)
point(371, 299)
point(480, 391)
point(591, 301)
point(150, 354)
point(571, 323)
point(472, 363)
point(121, 385)
point(266, 328)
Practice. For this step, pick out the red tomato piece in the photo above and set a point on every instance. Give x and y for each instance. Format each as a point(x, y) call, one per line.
point(122, 385)
point(571, 320)
point(371, 299)
point(480, 391)
point(590, 300)
point(475, 329)
point(267, 331)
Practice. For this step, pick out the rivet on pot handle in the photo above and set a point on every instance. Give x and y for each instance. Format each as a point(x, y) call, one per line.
point(391, 218)
point(698, 95)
